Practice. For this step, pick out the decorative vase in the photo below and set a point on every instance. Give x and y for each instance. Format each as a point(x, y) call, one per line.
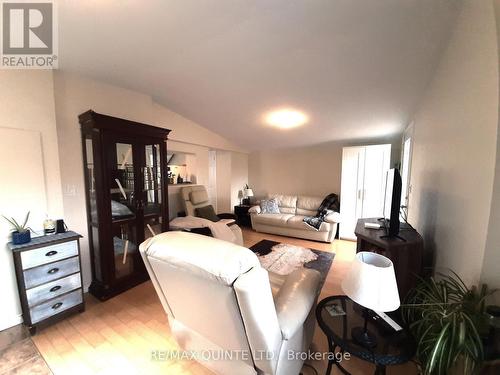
point(18, 238)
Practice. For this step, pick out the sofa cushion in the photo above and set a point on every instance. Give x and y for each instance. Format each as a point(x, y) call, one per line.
point(286, 203)
point(308, 206)
point(297, 222)
point(277, 220)
point(287, 210)
point(301, 211)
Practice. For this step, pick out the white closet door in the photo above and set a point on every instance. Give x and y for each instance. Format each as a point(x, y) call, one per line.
point(351, 202)
point(364, 171)
point(377, 163)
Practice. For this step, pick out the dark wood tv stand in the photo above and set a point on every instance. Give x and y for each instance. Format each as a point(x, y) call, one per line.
point(406, 253)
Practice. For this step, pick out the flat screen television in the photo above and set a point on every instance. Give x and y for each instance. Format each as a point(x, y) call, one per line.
point(392, 202)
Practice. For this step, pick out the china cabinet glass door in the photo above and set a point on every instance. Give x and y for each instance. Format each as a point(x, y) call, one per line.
point(152, 192)
point(125, 207)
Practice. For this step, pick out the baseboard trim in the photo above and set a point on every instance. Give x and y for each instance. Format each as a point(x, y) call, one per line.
point(11, 321)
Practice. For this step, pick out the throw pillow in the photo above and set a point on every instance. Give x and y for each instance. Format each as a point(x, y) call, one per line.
point(269, 206)
point(207, 212)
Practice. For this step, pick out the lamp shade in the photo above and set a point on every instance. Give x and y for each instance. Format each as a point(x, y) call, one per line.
point(249, 192)
point(371, 282)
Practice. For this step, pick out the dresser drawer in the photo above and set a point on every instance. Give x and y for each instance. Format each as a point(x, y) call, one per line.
point(55, 306)
point(49, 272)
point(43, 255)
point(53, 289)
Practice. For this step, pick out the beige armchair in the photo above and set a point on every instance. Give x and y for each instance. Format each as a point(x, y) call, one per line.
point(219, 301)
point(194, 197)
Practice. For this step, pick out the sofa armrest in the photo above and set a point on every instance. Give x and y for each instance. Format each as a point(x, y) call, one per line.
point(295, 300)
point(254, 210)
point(332, 217)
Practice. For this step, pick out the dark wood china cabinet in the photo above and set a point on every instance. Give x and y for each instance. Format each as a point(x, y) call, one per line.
point(125, 166)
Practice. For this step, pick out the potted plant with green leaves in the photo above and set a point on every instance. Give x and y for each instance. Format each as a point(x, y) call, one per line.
point(448, 321)
point(20, 233)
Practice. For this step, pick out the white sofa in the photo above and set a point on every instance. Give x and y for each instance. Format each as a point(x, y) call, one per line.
point(219, 299)
point(289, 222)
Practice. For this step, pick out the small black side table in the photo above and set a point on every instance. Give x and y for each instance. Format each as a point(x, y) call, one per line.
point(242, 215)
point(393, 347)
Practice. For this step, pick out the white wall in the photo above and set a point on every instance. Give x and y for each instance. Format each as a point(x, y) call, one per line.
point(313, 170)
point(223, 181)
point(76, 94)
point(491, 262)
point(27, 103)
point(455, 145)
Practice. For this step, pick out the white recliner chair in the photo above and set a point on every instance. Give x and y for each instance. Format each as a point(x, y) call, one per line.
point(194, 197)
point(219, 302)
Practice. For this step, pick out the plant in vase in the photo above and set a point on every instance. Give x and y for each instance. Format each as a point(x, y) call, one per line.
point(20, 233)
point(448, 321)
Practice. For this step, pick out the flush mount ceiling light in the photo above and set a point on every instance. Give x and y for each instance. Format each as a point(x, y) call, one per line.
point(285, 118)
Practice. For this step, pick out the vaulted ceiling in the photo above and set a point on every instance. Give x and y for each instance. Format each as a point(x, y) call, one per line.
point(358, 68)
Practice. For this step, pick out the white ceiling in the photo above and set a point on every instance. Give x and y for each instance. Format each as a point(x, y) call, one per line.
point(357, 68)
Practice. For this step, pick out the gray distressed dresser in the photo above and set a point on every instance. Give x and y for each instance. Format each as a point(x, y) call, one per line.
point(49, 278)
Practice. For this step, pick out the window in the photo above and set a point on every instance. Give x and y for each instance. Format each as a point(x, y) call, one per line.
point(406, 165)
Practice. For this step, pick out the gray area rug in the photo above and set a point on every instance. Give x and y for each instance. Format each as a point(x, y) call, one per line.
point(322, 264)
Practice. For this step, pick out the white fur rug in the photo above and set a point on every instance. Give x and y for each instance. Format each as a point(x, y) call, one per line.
point(284, 258)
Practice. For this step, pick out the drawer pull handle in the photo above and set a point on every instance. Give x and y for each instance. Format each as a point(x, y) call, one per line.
point(55, 306)
point(57, 287)
point(51, 253)
point(53, 270)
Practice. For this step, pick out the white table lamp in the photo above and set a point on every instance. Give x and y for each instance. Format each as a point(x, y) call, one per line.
point(248, 194)
point(371, 283)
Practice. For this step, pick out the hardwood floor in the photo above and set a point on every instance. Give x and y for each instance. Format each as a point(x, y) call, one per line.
point(118, 336)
